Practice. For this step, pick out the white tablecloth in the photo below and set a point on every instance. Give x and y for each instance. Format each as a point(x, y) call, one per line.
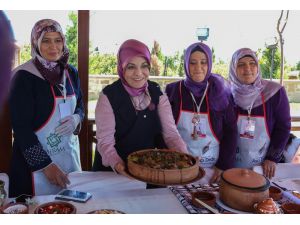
point(112, 191)
point(283, 171)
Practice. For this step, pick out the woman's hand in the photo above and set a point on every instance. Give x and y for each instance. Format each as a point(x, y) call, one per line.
point(68, 125)
point(216, 176)
point(120, 168)
point(269, 168)
point(56, 176)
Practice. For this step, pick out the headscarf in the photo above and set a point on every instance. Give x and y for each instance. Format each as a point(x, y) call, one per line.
point(51, 71)
point(129, 49)
point(6, 55)
point(218, 91)
point(245, 95)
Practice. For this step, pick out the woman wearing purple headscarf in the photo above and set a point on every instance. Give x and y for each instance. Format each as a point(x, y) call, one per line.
point(132, 113)
point(46, 111)
point(263, 114)
point(204, 113)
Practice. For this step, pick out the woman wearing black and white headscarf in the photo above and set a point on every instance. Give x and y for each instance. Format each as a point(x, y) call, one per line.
point(46, 110)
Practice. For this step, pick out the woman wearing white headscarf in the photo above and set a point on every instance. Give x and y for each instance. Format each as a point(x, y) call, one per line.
point(46, 111)
point(263, 114)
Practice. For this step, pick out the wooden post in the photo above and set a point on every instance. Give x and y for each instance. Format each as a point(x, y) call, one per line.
point(83, 70)
point(5, 139)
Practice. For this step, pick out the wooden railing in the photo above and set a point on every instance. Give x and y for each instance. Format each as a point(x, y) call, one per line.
point(92, 136)
point(296, 119)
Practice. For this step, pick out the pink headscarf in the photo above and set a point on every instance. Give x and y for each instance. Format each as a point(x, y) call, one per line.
point(51, 71)
point(246, 94)
point(129, 49)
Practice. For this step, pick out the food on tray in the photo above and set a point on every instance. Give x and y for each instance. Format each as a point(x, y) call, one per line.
point(106, 211)
point(162, 159)
point(163, 167)
point(55, 208)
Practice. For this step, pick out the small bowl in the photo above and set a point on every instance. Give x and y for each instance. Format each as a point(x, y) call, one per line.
point(206, 197)
point(15, 208)
point(275, 193)
point(56, 207)
point(291, 208)
point(267, 206)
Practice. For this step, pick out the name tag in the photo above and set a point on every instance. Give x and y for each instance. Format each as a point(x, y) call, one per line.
point(247, 129)
point(65, 109)
point(201, 128)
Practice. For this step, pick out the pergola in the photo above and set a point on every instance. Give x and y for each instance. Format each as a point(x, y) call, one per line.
point(87, 134)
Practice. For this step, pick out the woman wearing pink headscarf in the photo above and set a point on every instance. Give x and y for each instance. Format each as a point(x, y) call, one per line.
point(132, 113)
point(46, 111)
point(263, 114)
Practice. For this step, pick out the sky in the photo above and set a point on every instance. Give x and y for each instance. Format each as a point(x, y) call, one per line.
point(175, 29)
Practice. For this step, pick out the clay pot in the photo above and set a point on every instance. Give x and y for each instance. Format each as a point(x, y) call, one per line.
point(291, 208)
point(162, 176)
point(267, 206)
point(206, 197)
point(56, 207)
point(275, 193)
point(241, 188)
point(15, 208)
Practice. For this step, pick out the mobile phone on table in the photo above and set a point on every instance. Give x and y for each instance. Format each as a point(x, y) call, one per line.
point(72, 195)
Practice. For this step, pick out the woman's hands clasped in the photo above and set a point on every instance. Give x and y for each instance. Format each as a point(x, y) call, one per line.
point(68, 125)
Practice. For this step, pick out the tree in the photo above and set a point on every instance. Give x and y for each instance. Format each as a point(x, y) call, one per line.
point(213, 55)
point(298, 66)
point(72, 39)
point(266, 61)
point(181, 66)
point(103, 64)
point(157, 59)
point(280, 32)
point(221, 68)
point(25, 53)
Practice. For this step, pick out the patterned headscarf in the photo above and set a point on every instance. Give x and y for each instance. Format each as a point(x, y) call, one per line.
point(247, 94)
point(6, 56)
point(51, 71)
point(218, 91)
point(129, 49)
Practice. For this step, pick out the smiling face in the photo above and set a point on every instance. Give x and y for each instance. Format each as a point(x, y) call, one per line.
point(136, 72)
point(198, 66)
point(246, 70)
point(51, 47)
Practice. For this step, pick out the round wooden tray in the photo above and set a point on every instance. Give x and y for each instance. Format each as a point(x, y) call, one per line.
point(201, 174)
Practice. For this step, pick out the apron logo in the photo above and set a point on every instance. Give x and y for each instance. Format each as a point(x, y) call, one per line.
point(206, 148)
point(53, 140)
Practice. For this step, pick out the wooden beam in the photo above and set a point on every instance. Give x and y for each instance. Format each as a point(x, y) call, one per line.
point(83, 70)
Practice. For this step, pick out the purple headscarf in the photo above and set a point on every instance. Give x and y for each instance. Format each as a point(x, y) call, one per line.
point(51, 71)
point(129, 49)
point(245, 95)
point(6, 56)
point(218, 92)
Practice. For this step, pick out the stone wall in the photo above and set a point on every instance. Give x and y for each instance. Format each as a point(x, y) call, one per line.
point(98, 82)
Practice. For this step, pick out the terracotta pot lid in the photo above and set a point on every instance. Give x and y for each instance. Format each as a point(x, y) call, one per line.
point(245, 178)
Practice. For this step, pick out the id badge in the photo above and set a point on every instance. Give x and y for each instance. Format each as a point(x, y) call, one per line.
point(247, 129)
point(65, 109)
point(201, 128)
